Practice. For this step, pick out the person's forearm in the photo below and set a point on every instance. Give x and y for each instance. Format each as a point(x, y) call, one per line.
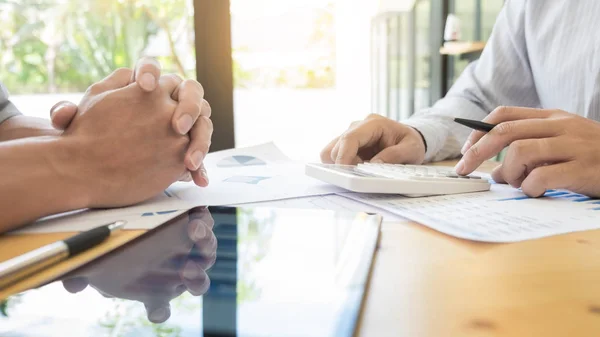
point(36, 180)
point(26, 126)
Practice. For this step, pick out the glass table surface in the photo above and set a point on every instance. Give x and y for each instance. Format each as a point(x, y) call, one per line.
point(216, 271)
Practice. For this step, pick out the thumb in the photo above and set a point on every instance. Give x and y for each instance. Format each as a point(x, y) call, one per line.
point(62, 114)
point(402, 153)
point(146, 73)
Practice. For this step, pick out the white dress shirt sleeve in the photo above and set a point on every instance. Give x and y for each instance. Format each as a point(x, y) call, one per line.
point(7, 109)
point(501, 77)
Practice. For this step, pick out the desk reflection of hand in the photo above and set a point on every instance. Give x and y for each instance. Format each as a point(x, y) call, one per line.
point(156, 269)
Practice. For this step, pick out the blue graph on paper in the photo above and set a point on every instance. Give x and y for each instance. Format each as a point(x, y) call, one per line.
point(563, 195)
point(169, 195)
point(158, 213)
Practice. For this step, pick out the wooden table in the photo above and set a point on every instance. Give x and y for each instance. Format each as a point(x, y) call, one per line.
point(15, 245)
point(425, 283)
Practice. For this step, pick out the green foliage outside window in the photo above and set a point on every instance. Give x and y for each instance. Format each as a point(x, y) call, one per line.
point(58, 46)
point(65, 45)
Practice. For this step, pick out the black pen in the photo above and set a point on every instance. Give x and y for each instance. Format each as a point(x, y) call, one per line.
point(473, 124)
point(24, 265)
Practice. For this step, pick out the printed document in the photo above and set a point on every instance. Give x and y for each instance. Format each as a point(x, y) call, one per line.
point(503, 214)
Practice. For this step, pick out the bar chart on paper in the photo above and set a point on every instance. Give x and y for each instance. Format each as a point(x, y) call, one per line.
point(564, 196)
point(240, 161)
point(502, 214)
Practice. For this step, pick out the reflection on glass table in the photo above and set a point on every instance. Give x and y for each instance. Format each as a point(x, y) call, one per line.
point(215, 271)
point(157, 269)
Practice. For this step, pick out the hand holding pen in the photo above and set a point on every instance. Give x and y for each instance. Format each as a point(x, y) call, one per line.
point(547, 149)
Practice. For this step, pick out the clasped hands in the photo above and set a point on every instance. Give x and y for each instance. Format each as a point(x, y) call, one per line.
point(133, 134)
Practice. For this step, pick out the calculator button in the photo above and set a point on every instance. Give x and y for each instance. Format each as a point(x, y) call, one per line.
point(416, 172)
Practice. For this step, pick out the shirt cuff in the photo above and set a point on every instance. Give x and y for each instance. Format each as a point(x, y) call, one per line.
point(7, 111)
point(432, 132)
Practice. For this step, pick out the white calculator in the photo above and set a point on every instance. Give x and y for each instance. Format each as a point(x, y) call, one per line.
point(410, 180)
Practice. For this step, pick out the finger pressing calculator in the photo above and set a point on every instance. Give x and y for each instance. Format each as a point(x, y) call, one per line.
point(410, 180)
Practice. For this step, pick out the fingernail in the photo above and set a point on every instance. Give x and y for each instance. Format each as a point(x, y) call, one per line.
point(204, 174)
point(376, 161)
point(197, 158)
point(459, 167)
point(159, 315)
point(56, 108)
point(200, 232)
point(148, 82)
point(191, 271)
point(184, 124)
point(465, 147)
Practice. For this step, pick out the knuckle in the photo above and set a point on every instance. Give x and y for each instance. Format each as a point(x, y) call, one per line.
point(203, 147)
point(174, 78)
point(196, 109)
point(206, 109)
point(519, 148)
point(177, 77)
point(373, 123)
point(503, 129)
point(192, 108)
point(209, 124)
point(95, 88)
point(475, 151)
point(568, 118)
point(347, 136)
point(182, 142)
point(501, 110)
point(196, 85)
point(356, 125)
point(122, 72)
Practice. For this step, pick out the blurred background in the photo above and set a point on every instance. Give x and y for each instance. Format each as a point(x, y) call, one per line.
point(294, 72)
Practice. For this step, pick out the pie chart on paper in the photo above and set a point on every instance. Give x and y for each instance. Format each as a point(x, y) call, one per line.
point(238, 161)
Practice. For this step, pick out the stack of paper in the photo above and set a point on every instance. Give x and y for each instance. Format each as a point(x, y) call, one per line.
point(503, 214)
